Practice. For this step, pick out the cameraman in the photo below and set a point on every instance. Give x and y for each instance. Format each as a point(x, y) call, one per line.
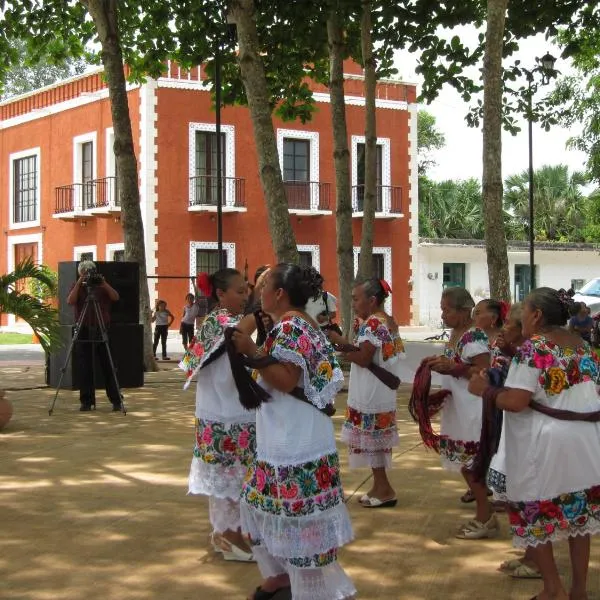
point(90, 334)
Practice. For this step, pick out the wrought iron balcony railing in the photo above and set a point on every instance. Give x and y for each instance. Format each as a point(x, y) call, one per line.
point(203, 191)
point(307, 195)
point(388, 199)
point(80, 197)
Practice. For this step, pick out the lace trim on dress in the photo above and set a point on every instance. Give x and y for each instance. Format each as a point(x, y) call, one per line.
point(321, 583)
point(216, 480)
point(369, 441)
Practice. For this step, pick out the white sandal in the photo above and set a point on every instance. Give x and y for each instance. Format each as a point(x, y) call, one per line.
point(476, 530)
point(230, 551)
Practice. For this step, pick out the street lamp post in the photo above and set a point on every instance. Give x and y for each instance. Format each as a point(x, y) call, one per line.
point(546, 68)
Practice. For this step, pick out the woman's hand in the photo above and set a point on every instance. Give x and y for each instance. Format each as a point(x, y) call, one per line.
point(442, 365)
point(334, 337)
point(478, 383)
point(244, 344)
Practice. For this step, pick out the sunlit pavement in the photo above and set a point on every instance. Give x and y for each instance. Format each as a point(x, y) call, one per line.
point(94, 506)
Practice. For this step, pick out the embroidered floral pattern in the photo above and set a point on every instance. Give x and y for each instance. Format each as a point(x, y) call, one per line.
point(316, 560)
point(208, 338)
point(376, 331)
point(458, 451)
point(294, 491)
point(497, 482)
point(370, 422)
point(538, 522)
point(471, 336)
point(294, 340)
point(561, 368)
point(225, 445)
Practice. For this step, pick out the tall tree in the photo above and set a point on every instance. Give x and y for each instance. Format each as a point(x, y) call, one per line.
point(369, 193)
point(495, 237)
point(341, 158)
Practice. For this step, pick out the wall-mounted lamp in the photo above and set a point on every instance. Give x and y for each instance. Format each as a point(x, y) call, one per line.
point(83, 223)
point(117, 218)
point(432, 276)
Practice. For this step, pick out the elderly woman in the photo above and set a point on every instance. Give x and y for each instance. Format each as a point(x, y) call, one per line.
point(292, 501)
point(467, 352)
point(552, 434)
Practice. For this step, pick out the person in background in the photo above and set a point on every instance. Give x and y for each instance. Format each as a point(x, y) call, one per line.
point(191, 311)
point(163, 318)
point(322, 309)
point(580, 321)
point(552, 431)
point(264, 322)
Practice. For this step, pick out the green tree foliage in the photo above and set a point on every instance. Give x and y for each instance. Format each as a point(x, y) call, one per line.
point(430, 139)
point(559, 203)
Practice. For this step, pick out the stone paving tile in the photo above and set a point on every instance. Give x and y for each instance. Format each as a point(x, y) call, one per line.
point(94, 506)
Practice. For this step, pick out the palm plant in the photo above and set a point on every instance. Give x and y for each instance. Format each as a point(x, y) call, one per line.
point(41, 317)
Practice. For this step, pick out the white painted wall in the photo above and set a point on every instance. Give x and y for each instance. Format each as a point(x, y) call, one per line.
point(555, 268)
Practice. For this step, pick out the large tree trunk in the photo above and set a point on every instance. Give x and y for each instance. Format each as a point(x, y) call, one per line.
point(104, 13)
point(495, 235)
point(257, 91)
point(365, 265)
point(341, 158)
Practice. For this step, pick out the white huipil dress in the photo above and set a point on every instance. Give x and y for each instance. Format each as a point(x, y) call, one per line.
point(225, 430)
point(292, 501)
point(370, 425)
point(552, 465)
point(460, 429)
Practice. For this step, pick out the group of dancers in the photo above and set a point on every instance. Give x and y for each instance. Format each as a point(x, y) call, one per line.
point(265, 451)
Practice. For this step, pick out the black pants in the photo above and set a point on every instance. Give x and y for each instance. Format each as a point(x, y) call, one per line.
point(187, 333)
point(160, 333)
point(88, 345)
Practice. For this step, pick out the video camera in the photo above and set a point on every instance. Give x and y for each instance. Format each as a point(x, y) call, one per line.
point(92, 278)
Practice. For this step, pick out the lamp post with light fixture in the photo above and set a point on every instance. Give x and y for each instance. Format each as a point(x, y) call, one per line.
point(545, 66)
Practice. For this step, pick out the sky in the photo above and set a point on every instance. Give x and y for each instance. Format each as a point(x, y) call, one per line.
point(461, 157)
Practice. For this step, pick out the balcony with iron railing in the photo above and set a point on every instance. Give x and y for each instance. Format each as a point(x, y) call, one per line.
point(308, 197)
point(81, 200)
point(388, 201)
point(203, 194)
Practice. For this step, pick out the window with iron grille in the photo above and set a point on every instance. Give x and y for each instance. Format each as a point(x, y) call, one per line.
point(306, 258)
point(25, 189)
point(207, 261)
point(87, 174)
point(118, 256)
point(378, 265)
point(206, 168)
point(360, 175)
point(296, 156)
point(454, 275)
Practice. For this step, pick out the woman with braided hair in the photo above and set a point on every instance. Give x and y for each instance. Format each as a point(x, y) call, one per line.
point(552, 430)
point(370, 426)
point(292, 500)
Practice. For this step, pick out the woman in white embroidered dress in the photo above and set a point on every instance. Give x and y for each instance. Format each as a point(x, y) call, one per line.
point(225, 431)
point(370, 426)
point(552, 466)
point(293, 502)
point(467, 352)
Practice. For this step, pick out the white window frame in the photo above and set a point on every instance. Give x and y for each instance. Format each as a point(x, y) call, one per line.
point(11, 190)
point(315, 250)
point(229, 131)
point(229, 248)
point(79, 250)
point(387, 268)
point(15, 240)
point(313, 138)
point(111, 249)
point(78, 142)
point(386, 168)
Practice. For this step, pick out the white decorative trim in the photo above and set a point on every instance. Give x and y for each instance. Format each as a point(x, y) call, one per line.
point(40, 113)
point(111, 249)
point(79, 250)
point(315, 250)
point(229, 131)
point(360, 101)
point(149, 180)
point(15, 240)
point(110, 167)
point(386, 168)
point(413, 213)
point(184, 84)
point(229, 248)
point(348, 76)
point(313, 138)
point(387, 268)
point(11, 201)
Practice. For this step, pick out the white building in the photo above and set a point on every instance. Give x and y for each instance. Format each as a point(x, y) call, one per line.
point(445, 262)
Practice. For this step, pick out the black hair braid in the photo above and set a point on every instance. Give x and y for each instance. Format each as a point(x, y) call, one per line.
point(554, 306)
point(220, 280)
point(374, 289)
point(300, 283)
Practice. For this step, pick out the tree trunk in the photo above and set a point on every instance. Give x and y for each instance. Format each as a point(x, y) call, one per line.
point(365, 264)
point(495, 235)
point(253, 76)
point(104, 13)
point(341, 158)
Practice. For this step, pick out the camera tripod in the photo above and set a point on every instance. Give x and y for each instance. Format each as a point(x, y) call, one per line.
point(90, 301)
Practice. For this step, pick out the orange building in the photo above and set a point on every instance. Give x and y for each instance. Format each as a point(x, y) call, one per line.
point(59, 201)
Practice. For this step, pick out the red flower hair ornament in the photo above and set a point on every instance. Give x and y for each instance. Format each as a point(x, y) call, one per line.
point(204, 285)
point(504, 309)
point(385, 286)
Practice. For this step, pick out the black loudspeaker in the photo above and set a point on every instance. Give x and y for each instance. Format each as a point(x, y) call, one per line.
point(123, 276)
point(126, 342)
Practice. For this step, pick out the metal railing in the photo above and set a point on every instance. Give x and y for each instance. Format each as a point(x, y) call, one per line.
point(203, 191)
point(307, 195)
point(388, 199)
point(78, 197)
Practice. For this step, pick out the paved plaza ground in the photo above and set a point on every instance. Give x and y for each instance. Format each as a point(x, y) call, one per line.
point(94, 506)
